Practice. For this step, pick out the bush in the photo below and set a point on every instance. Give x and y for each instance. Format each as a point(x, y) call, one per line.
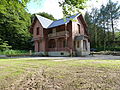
point(108, 49)
point(14, 52)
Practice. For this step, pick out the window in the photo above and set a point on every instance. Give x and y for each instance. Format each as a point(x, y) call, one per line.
point(62, 53)
point(78, 28)
point(37, 32)
point(84, 45)
point(51, 43)
point(49, 31)
point(54, 30)
point(64, 43)
point(78, 44)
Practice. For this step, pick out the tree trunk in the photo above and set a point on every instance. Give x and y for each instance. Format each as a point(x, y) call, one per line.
point(104, 37)
point(113, 32)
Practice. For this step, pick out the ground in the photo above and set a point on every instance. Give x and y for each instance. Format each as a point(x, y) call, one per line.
point(60, 73)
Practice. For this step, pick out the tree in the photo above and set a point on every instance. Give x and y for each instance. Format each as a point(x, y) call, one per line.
point(102, 26)
point(46, 15)
point(72, 6)
point(14, 24)
point(113, 10)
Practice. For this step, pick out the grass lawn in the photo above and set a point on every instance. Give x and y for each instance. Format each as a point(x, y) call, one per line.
point(29, 74)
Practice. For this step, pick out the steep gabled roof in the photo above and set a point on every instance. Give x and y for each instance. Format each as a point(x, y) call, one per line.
point(47, 23)
point(44, 21)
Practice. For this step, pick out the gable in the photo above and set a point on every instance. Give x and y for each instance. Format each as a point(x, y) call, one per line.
point(35, 24)
point(83, 22)
point(81, 18)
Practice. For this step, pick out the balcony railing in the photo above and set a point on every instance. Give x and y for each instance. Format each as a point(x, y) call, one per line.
point(57, 34)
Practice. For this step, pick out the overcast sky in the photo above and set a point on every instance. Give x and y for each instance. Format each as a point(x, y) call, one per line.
point(52, 7)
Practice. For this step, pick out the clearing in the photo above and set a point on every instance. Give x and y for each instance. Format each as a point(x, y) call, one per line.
point(49, 74)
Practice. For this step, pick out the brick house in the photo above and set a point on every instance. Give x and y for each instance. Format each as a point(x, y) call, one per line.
point(63, 37)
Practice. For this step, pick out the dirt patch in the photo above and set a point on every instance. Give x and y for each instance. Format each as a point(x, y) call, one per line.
point(73, 74)
point(69, 78)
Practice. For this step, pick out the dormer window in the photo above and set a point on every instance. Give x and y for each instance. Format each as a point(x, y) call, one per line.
point(38, 29)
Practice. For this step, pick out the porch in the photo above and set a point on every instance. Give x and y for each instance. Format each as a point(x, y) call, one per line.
point(82, 45)
point(58, 44)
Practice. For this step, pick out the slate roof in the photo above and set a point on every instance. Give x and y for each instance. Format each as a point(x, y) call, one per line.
point(47, 23)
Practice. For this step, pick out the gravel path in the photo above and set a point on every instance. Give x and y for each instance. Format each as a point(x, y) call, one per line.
point(94, 57)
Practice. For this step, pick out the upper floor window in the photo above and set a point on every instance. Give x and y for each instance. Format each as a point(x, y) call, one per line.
point(78, 28)
point(38, 29)
point(54, 30)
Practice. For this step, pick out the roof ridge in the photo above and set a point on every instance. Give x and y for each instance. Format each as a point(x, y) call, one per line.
point(58, 19)
point(69, 16)
point(43, 17)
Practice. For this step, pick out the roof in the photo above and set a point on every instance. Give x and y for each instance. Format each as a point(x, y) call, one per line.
point(62, 21)
point(44, 21)
point(47, 23)
point(81, 37)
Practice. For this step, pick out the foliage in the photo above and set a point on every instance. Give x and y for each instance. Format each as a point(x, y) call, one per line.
point(4, 45)
point(102, 26)
point(14, 52)
point(14, 24)
point(72, 6)
point(46, 15)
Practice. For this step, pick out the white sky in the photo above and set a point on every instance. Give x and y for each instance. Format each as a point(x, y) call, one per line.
point(49, 6)
point(52, 7)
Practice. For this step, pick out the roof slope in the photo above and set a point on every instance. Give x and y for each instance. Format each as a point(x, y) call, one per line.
point(47, 23)
point(62, 21)
point(44, 21)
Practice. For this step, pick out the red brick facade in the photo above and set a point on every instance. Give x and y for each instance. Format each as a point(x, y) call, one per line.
point(60, 38)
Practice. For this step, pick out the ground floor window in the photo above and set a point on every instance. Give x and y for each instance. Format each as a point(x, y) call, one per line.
point(84, 45)
point(62, 43)
point(51, 43)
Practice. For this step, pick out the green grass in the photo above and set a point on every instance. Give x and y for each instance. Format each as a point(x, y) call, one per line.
point(71, 72)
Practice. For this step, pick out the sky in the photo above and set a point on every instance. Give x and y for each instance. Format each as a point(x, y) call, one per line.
point(49, 6)
point(52, 7)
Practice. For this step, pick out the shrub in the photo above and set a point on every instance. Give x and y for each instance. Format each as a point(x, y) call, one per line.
point(4, 45)
point(108, 49)
point(14, 52)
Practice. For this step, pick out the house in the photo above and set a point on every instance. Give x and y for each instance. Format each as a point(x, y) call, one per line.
point(63, 37)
